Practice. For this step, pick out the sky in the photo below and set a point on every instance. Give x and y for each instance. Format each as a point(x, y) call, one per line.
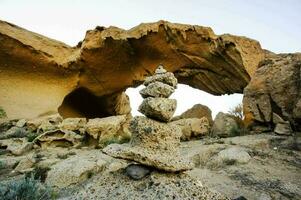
point(276, 24)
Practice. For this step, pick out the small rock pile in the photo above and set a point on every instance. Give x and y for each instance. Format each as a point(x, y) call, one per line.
point(154, 141)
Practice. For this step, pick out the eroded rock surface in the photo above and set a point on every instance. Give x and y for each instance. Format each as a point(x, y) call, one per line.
point(274, 92)
point(196, 111)
point(192, 127)
point(154, 144)
point(157, 186)
point(32, 65)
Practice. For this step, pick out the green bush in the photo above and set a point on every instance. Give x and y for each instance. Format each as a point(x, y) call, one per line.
point(2, 164)
point(26, 188)
point(31, 136)
point(2, 113)
point(235, 131)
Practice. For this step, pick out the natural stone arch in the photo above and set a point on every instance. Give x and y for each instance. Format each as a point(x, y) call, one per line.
point(109, 60)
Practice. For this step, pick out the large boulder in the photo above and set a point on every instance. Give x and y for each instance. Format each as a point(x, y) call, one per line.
point(224, 125)
point(109, 129)
point(192, 127)
point(197, 111)
point(275, 89)
point(88, 80)
point(234, 154)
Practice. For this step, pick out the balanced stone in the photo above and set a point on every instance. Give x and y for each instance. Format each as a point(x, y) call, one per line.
point(167, 78)
point(161, 109)
point(160, 70)
point(157, 89)
point(154, 144)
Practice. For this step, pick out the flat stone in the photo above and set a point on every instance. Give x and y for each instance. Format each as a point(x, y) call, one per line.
point(167, 78)
point(157, 89)
point(161, 109)
point(283, 128)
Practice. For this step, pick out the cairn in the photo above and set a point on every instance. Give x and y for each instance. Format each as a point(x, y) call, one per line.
point(154, 142)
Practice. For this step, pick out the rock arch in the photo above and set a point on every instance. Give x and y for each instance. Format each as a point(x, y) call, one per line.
point(109, 60)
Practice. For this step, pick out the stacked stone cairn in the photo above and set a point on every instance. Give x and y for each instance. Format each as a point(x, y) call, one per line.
point(154, 142)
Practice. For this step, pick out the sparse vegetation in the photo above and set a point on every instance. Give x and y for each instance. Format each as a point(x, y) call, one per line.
point(2, 113)
point(26, 188)
point(235, 131)
point(39, 173)
point(237, 113)
point(109, 141)
point(2, 165)
point(31, 136)
point(229, 162)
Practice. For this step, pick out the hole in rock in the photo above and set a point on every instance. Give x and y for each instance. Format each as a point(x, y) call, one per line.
point(83, 103)
point(187, 97)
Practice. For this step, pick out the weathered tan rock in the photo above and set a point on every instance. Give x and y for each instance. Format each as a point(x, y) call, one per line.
point(161, 109)
point(89, 76)
point(34, 124)
point(73, 124)
point(283, 128)
point(224, 125)
point(192, 127)
point(153, 144)
point(17, 146)
point(58, 138)
point(274, 88)
point(25, 165)
point(157, 89)
point(108, 129)
point(76, 169)
point(166, 78)
point(197, 111)
point(235, 154)
point(157, 185)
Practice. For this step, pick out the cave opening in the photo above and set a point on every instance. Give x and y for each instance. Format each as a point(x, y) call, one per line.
point(83, 103)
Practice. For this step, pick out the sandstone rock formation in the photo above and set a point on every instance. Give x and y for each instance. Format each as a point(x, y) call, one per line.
point(154, 142)
point(274, 94)
point(109, 129)
point(40, 75)
point(192, 127)
point(197, 111)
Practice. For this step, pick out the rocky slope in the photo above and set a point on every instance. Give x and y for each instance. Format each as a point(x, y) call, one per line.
point(40, 75)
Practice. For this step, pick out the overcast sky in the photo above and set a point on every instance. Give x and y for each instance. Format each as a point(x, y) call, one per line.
point(276, 24)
